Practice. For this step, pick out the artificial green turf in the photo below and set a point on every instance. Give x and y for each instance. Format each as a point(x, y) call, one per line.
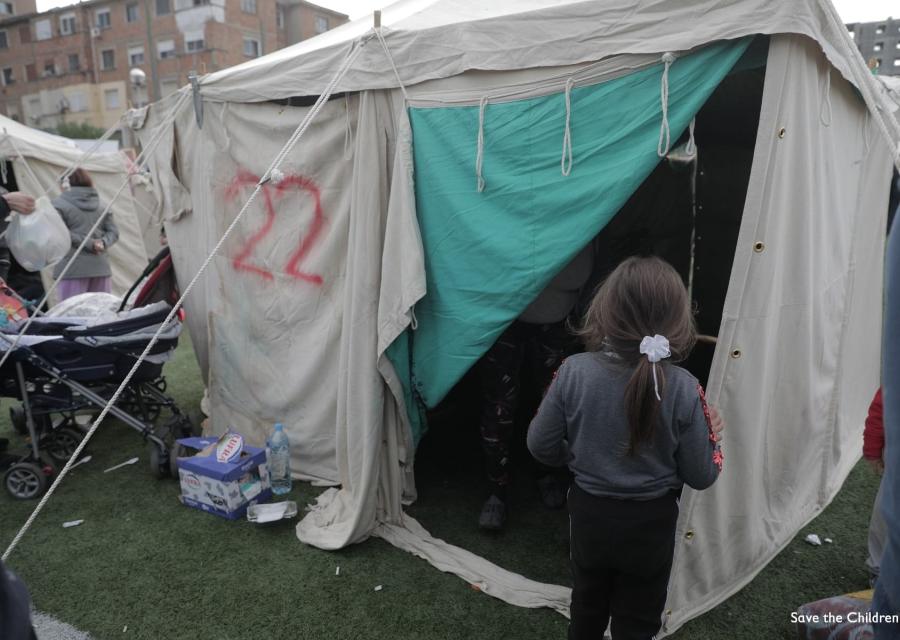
point(143, 561)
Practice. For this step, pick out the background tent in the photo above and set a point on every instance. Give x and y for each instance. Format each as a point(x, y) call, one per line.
point(48, 156)
point(435, 194)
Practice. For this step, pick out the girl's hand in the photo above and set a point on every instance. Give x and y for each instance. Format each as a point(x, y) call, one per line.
point(99, 247)
point(716, 423)
point(21, 202)
point(877, 465)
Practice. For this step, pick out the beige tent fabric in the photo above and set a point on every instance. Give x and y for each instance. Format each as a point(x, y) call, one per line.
point(813, 291)
point(798, 355)
point(48, 156)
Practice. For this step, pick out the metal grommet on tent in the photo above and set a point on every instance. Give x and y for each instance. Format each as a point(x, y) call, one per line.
point(782, 132)
point(759, 247)
point(668, 613)
point(736, 354)
point(689, 535)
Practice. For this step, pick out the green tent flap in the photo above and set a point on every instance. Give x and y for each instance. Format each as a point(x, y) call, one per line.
point(488, 254)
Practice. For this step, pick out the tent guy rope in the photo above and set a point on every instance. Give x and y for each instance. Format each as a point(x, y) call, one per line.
point(267, 176)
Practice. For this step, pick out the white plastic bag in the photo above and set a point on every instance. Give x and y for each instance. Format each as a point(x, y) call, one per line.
point(40, 239)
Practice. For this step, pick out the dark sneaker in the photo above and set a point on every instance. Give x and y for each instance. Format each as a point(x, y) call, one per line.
point(493, 514)
point(553, 491)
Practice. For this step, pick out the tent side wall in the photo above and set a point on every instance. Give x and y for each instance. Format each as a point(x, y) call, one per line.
point(798, 355)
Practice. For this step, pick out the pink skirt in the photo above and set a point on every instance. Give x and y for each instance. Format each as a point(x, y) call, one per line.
point(73, 286)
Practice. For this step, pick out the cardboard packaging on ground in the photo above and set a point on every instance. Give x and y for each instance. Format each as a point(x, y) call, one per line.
point(223, 488)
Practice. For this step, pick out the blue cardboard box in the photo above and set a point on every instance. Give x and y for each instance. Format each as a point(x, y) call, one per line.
point(223, 488)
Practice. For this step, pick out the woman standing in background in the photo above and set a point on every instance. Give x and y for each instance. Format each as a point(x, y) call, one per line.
point(80, 208)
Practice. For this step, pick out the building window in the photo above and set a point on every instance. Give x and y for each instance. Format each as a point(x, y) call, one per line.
point(135, 56)
point(6, 9)
point(878, 46)
point(879, 30)
point(898, 45)
point(251, 47)
point(74, 62)
point(8, 76)
point(279, 16)
point(25, 34)
point(111, 98)
point(4, 40)
point(201, 3)
point(67, 24)
point(35, 111)
point(877, 63)
point(49, 68)
point(897, 62)
point(165, 49)
point(321, 24)
point(193, 41)
point(248, 6)
point(163, 7)
point(77, 102)
point(132, 14)
point(108, 59)
point(43, 30)
point(102, 19)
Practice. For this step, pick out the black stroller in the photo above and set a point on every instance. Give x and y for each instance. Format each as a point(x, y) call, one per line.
point(64, 366)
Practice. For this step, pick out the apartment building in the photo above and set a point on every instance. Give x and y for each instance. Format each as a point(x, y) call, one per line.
point(879, 43)
point(73, 64)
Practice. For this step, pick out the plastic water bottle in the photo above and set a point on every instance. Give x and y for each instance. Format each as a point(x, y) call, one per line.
point(279, 456)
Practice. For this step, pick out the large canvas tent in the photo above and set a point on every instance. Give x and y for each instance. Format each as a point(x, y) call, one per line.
point(38, 159)
point(469, 151)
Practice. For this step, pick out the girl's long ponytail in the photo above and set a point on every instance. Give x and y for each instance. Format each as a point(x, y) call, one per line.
point(641, 405)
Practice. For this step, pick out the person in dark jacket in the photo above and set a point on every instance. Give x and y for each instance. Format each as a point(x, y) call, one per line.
point(80, 207)
point(15, 607)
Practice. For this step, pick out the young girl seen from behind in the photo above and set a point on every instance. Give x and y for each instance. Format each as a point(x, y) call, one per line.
point(633, 429)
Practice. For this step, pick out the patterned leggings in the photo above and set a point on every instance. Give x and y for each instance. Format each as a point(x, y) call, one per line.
point(543, 347)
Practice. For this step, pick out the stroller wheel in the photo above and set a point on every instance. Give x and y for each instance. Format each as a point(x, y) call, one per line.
point(159, 462)
point(61, 443)
point(25, 481)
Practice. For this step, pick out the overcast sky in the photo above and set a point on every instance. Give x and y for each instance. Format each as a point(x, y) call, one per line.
point(850, 10)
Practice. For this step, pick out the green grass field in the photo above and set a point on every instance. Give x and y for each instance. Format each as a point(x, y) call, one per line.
point(143, 561)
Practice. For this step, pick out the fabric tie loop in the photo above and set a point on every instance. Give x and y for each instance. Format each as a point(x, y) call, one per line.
point(656, 348)
point(566, 159)
point(665, 135)
point(479, 154)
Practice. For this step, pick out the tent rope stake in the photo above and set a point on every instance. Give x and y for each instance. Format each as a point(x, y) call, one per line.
point(273, 167)
point(665, 134)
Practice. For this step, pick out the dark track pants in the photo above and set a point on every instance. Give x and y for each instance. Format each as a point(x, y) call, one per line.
point(543, 347)
point(621, 553)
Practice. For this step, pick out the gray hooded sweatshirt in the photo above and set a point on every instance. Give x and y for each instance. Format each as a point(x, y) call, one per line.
point(80, 207)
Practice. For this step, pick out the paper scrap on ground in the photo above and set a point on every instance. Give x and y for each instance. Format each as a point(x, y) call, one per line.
point(378, 588)
point(82, 461)
point(829, 540)
point(814, 540)
point(124, 464)
point(337, 571)
point(72, 523)
point(270, 512)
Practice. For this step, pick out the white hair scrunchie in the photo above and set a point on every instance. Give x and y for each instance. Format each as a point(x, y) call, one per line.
point(656, 348)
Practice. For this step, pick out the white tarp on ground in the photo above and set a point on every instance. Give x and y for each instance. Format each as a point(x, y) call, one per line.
point(48, 156)
point(800, 333)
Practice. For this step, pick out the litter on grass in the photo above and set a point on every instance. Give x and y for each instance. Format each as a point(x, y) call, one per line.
point(337, 571)
point(829, 540)
point(72, 523)
point(814, 540)
point(378, 588)
point(124, 464)
point(82, 461)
